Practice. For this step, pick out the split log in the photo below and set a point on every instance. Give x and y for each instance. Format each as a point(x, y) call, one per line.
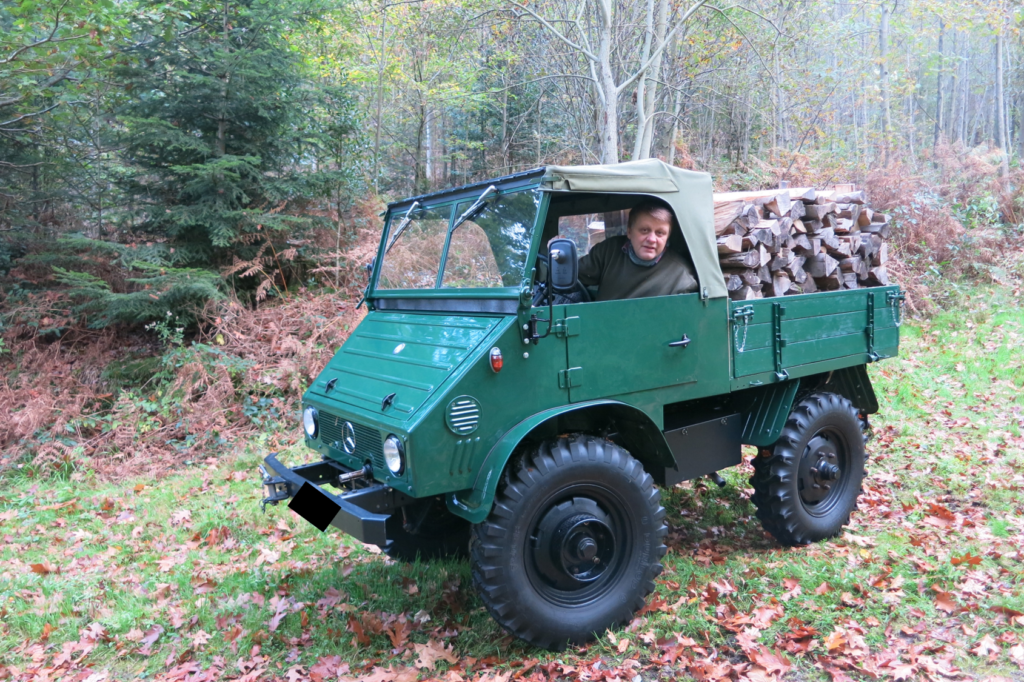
point(819, 211)
point(881, 257)
point(725, 214)
point(805, 194)
point(779, 205)
point(749, 276)
point(781, 284)
point(829, 283)
point(797, 211)
point(798, 226)
point(733, 283)
point(850, 280)
point(744, 259)
point(822, 265)
point(865, 216)
point(764, 275)
point(731, 243)
point(881, 229)
point(808, 286)
point(843, 196)
point(855, 265)
point(745, 294)
point(844, 226)
point(877, 277)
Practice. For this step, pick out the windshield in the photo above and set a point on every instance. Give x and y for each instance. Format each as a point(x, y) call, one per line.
point(488, 250)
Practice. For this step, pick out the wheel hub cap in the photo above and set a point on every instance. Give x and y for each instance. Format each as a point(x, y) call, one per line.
point(574, 543)
point(820, 470)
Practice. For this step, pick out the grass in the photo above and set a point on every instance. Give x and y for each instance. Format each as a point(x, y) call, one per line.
point(161, 579)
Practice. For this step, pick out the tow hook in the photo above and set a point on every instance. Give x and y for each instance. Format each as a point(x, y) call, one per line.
point(365, 472)
point(274, 489)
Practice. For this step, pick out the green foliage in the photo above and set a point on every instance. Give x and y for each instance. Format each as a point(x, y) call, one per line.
point(160, 292)
point(215, 134)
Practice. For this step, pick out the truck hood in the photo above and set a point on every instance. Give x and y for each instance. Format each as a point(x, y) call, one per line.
point(408, 354)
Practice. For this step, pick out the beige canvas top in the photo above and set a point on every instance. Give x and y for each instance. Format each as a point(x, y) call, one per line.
point(687, 192)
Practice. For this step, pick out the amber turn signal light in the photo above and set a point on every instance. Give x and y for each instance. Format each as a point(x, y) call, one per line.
point(496, 360)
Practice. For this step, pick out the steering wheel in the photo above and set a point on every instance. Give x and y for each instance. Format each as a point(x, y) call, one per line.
point(579, 293)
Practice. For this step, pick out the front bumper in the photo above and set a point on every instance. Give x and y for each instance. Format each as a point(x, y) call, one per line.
point(361, 512)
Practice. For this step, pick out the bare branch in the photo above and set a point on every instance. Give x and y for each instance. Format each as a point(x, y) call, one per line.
point(590, 55)
point(661, 48)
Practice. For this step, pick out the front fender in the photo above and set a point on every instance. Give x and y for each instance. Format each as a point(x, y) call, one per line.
point(641, 436)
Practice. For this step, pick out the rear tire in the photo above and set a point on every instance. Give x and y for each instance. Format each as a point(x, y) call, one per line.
point(807, 484)
point(428, 531)
point(572, 545)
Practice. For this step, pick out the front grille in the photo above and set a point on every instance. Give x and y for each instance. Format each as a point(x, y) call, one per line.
point(368, 442)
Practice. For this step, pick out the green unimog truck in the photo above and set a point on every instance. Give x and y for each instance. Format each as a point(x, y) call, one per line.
point(485, 406)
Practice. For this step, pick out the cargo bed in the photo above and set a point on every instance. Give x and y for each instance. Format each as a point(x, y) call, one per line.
point(788, 337)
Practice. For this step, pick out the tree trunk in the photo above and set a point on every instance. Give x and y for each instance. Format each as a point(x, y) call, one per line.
point(660, 28)
point(1004, 168)
point(883, 54)
point(641, 94)
point(675, 128)
point(938, 90)
point(222, 122)
point(609, 116)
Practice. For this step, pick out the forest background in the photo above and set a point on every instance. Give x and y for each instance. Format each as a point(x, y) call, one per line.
point(189, 190)
point(189, 193)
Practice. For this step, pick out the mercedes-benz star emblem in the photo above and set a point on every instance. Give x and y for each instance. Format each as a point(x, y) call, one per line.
point(348, 437)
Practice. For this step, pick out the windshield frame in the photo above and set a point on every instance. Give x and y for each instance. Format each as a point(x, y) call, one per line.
point(522, 182)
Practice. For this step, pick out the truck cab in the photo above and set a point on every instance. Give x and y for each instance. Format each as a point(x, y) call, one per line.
point(487, 406)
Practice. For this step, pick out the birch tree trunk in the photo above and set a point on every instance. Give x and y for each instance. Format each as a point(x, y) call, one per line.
point(1000, 122)
point(883, 54)
point(938, 90)
point(606, 87)
point(650, 106)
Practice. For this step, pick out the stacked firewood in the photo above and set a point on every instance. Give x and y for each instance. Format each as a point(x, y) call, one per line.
point(797, 241)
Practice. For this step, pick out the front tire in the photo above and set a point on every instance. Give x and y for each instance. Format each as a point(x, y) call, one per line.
point(572, 545)
point(807, 485)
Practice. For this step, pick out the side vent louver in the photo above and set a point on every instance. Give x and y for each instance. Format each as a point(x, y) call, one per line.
point(463, 415)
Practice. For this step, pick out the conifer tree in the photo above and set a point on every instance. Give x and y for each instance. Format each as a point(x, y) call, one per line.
point(214, 131)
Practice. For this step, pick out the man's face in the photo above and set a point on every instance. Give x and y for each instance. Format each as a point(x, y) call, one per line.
point(648, 235)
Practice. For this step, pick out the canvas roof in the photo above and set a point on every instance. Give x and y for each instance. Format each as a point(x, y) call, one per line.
point(689, 194)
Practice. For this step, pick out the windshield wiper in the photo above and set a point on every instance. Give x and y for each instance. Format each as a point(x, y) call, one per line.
point(402, 225)
point(477, 206)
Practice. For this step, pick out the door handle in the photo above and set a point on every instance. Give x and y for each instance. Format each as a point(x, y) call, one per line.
point(681, 343)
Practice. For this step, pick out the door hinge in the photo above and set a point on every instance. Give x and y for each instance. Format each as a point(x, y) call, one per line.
point(570, 326)
point(570, 378)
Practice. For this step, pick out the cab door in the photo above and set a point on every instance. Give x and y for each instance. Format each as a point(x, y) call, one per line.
point(640, 344)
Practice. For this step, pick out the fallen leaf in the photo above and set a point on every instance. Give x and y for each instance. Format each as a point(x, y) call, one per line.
point(428, 654)
point(968, 559)
point(986, 647)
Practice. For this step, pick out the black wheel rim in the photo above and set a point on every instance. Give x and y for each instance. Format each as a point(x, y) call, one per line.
point(824, 472)
point(578, 544)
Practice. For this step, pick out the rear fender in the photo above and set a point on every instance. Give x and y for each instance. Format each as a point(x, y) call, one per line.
point(630, 426)
point(765, 409)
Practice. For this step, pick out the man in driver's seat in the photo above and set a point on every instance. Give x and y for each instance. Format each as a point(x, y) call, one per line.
point(639, 264)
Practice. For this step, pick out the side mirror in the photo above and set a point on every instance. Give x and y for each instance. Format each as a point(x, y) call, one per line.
point(564, 267)
point(369, 270)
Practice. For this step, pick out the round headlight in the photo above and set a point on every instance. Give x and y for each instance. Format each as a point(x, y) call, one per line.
point(394, 455)
point(310, 421)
